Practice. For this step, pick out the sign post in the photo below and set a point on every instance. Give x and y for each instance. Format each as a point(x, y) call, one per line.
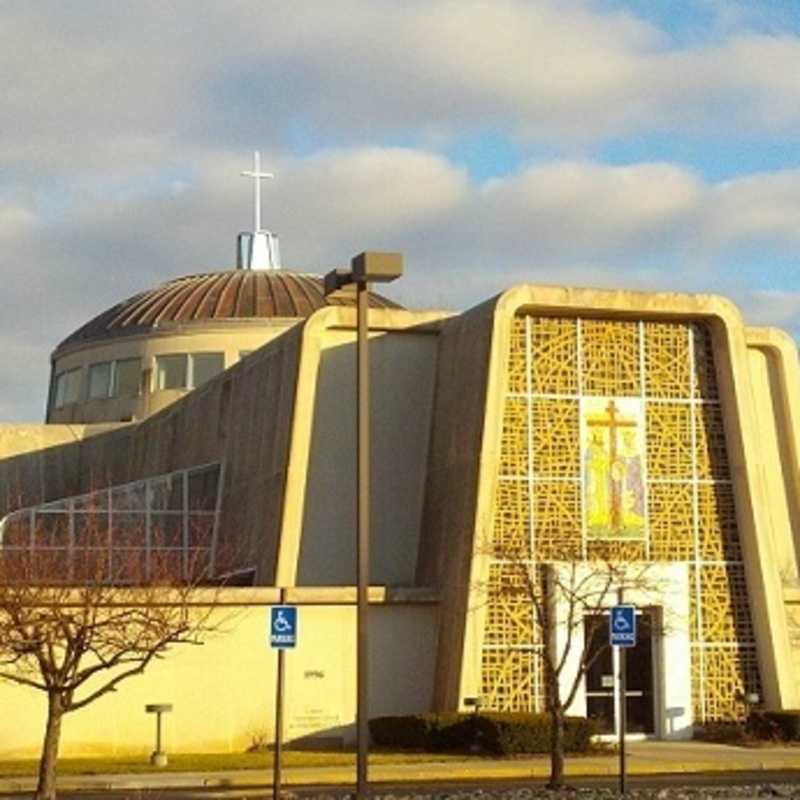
point(622, 634)
point(282, 636)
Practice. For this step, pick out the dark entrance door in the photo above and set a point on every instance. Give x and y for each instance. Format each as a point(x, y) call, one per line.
point(602, 676)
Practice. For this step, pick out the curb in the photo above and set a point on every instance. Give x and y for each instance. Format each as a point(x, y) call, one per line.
point(387, 773)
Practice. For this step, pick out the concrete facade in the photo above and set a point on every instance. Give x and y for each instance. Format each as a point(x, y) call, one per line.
point(281, 424)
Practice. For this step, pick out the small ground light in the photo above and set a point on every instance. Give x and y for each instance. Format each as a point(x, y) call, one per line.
point(158, 757)
point(474, 703)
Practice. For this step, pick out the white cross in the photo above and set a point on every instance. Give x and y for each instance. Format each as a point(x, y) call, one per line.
point(257, 175)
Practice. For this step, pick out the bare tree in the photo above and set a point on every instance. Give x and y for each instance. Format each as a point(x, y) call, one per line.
point(568, 600)
point(78, 639)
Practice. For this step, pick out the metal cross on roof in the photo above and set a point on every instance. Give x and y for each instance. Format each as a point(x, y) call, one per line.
point(257, 175)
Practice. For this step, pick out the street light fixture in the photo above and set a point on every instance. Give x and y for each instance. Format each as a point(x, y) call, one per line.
point(365, 268)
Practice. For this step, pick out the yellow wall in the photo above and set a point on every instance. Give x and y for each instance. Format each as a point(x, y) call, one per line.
point(792, 595)
point(223, 692)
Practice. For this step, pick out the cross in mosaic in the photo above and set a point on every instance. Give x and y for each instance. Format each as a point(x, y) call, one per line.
point(614, 424)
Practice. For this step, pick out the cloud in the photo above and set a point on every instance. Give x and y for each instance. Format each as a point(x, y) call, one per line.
point(376, 190)
point(92, 87)
point(773, 307)
point(24, 391)
point(15, 220)
point(764, 207)
point(124, 127)
point(647, 226)
point(600, 210)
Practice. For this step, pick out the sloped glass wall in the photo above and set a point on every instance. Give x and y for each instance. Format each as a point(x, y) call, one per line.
point(162, 529)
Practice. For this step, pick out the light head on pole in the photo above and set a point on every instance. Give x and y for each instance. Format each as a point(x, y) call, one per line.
point(372, 267)
point(367, 267)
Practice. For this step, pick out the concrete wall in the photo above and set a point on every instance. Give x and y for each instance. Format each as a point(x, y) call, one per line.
point(223, 692)
point(774, 467)
point(255, 420)
point(450, 526)
point(775, 376)
point(242, 418)
point(16, 439)
point(317, 498)
point(402, 371)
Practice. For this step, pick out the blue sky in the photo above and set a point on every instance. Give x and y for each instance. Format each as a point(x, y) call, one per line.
point(648, 145)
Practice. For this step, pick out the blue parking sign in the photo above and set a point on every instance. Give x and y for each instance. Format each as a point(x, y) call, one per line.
point(622, 626)
point(283, 627)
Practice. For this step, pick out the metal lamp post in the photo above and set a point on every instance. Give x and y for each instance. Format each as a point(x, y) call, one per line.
point(158, 757)
point(365, 268)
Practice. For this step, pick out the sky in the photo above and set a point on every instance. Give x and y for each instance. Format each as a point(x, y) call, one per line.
point(650, 145)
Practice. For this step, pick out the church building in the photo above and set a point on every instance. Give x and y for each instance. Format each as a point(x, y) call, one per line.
point(565, 428)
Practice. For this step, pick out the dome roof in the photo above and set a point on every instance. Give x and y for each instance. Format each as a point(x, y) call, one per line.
point(234, 294)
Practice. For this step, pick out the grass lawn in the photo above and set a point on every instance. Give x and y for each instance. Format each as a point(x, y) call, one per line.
point(212, 762)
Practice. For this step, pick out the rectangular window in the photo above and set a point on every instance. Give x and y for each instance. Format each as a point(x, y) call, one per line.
point(205, 366)
point(74, 377)
point(115, 378)
point(127, 375)
point(51, 530)
point(187, 371)
point(204, 488)
point(68, 387)
point(166, 493)
point(61, 385)
point(172, 372)
point(100, 380)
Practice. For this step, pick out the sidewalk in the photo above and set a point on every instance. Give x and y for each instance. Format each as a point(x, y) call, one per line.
point(644, 758)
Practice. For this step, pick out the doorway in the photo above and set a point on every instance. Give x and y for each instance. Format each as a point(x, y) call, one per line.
point(602, 677)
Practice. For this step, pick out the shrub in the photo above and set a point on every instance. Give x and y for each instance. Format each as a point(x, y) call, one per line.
point(409, 732)
point(500, 734)
point(508, 734)
point(783, 725)
point(733, 733)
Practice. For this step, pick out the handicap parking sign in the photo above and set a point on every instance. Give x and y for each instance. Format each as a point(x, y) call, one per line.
point(283, 627)
point(622, 626)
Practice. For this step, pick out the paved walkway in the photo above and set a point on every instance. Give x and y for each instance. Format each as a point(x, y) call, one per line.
point(644, 758)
